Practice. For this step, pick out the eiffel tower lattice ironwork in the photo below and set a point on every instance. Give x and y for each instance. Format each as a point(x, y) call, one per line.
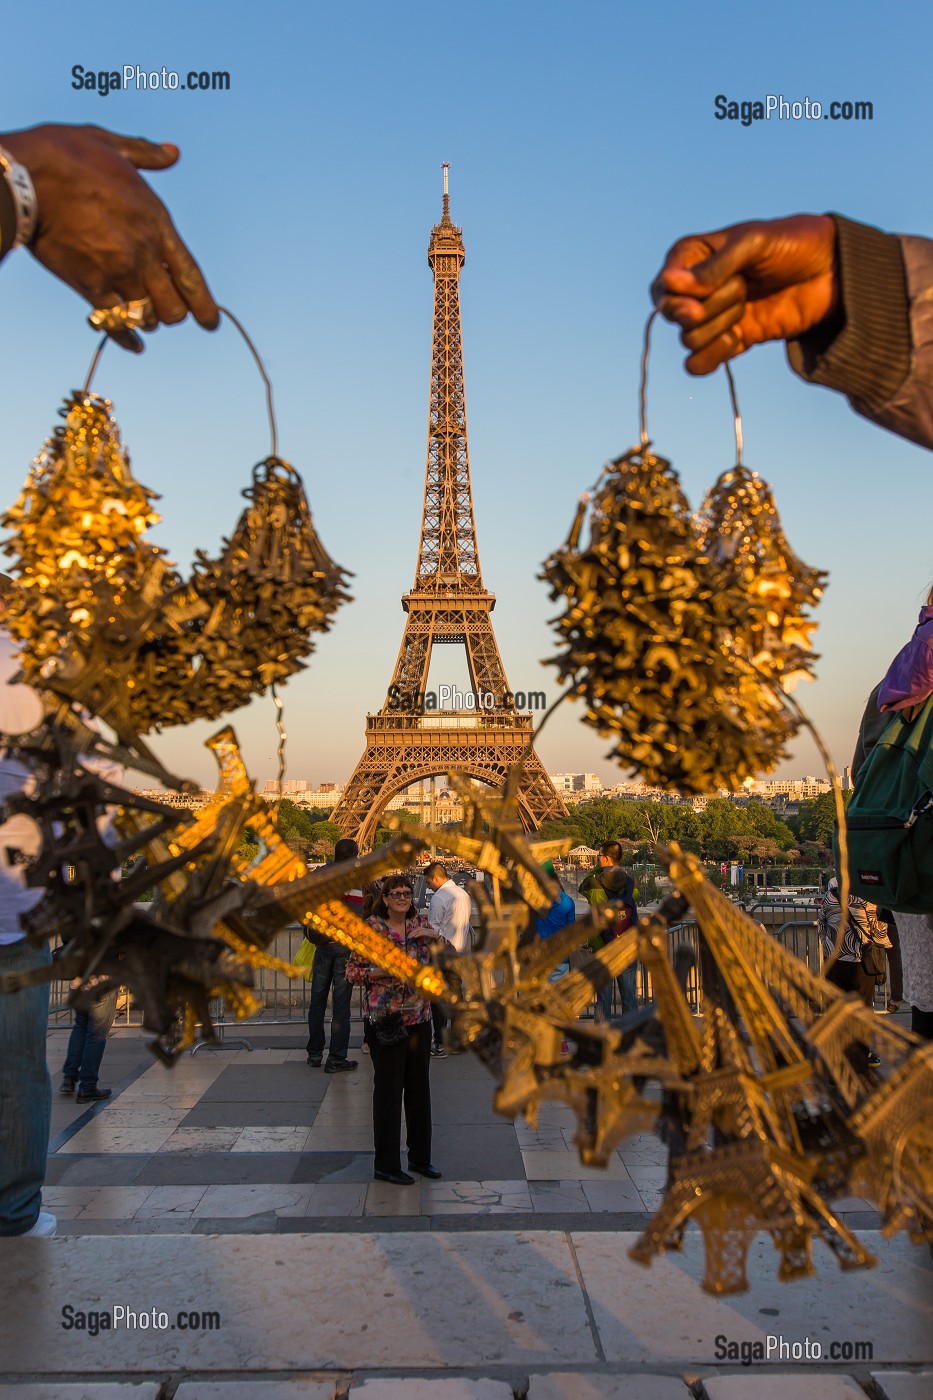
point(447, 605)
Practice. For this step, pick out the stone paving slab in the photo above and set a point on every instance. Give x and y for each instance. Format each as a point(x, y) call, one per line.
point(902, 1385)
point(116, 1169)
point(474, 1197)
point(437, 1301)
point(477, 1151)
point(564, 1165)
point(259, 1390)
point(643, 1314)
point(811, 1385)
point(245, 1113)
point(281, 1083)
point(100, 1136)
point(333, 1167)
point(617, 1197)
point(571, 1385)
point(81, 1390)
point(431, 1388)
point(213, 1169)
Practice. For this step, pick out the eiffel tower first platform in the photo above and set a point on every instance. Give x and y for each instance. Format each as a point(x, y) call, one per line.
point(448, 605)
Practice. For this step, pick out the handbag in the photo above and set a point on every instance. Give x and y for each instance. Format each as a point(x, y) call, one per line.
point(875, 962)
point(304, 958)
point(889, 822)
point(389, 1030)
point(581, 957)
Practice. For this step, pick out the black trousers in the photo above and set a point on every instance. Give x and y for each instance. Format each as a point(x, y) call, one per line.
point(439, 1021)
point(401, 1076)
point(851, 977)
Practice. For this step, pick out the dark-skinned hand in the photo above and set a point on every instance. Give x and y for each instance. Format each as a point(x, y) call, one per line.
point(772, 279)
point(102, 229)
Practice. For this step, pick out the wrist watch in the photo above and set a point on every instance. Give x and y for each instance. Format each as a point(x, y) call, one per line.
point(23, 195)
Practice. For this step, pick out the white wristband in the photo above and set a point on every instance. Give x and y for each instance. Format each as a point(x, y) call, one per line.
point(24, 197)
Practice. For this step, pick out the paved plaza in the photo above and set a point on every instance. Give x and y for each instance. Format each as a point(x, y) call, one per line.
point(509, 1277)
point(233, 1140)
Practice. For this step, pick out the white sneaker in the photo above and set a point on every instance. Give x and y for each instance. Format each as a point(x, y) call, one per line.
point(46, 1224)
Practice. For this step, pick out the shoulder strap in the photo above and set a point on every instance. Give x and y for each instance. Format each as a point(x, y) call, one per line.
point(910, 729)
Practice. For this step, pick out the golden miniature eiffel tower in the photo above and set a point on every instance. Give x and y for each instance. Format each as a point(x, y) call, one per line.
point(448, 605)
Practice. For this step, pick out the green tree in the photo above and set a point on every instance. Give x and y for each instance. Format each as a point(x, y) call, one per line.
point(247, 846)
point(816, 820)
point(558, 827)
point(295, 827)
point(762, 849)
point(291, 817)
point(766, 823)
point(679, 823)
point(725, 829)
point(598, 819)
point(325, 831)
point(815, 853)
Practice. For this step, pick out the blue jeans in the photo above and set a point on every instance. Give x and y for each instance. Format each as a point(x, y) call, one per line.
point(329, 971)
point(628, 992)
point(25, 1091)
point(87, 1044)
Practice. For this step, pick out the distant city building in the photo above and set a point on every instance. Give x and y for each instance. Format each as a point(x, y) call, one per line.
point(577, 787)
point(573, 788)
point(797, 789)
point(632, 790)
point(190, 800)
point(293, 787)
point(324, 798)
point(417, 800)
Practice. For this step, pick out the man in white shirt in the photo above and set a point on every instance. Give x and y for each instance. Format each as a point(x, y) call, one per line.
point(449, 913)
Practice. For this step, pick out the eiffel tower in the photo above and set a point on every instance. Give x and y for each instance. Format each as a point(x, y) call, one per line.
point(448, 605)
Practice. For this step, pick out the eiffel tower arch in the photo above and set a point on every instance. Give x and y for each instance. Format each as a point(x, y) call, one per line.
point(448, 605)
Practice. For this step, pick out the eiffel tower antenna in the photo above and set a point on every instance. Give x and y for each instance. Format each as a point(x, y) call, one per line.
point(447, 605)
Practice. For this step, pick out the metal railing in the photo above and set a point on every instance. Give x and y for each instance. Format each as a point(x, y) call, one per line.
point(284, 1000)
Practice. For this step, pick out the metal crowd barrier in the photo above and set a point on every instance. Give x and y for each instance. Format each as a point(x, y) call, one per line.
point(793, 924)
point(284, 1000)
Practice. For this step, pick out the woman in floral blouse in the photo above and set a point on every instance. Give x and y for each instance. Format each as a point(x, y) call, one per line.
point(397, 1028)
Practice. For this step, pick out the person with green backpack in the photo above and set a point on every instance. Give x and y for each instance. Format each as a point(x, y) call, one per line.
point(890, 817)
point(609, 880)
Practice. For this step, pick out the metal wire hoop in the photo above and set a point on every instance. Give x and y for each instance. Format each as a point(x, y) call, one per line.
point(643, 396)
point(225, 311)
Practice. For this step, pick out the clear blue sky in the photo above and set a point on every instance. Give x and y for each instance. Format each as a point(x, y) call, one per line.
point(582, 142)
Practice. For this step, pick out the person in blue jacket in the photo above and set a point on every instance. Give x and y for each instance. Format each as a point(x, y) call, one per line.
point(561, 913)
